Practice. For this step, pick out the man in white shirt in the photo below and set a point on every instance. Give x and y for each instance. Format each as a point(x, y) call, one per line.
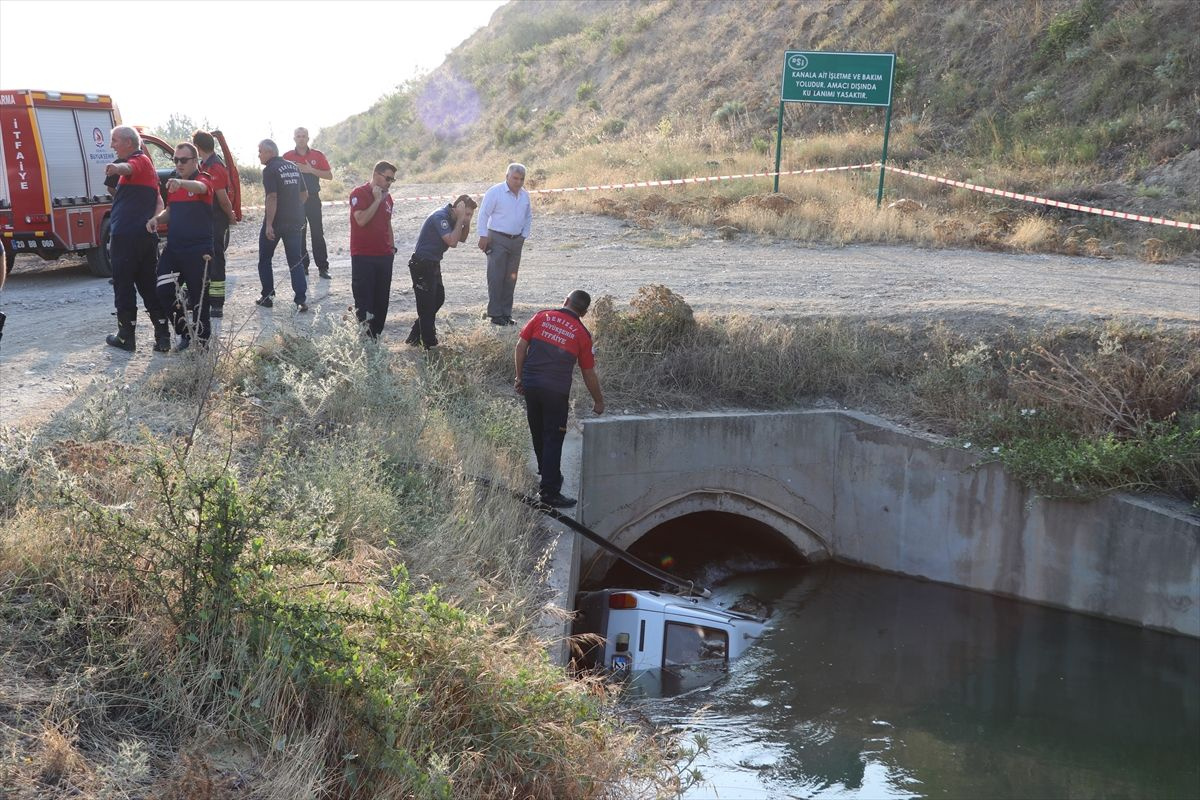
point(504, 219)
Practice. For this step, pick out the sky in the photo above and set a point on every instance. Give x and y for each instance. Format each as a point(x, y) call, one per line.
point(281, 64)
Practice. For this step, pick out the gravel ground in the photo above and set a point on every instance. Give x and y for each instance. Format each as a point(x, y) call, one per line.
point(59, 314)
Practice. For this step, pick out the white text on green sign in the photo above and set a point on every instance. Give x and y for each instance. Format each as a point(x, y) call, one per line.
point(858, 79)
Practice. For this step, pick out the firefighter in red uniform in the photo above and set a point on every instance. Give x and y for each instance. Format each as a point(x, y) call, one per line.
point(183, 267)
point(314, 167)
point(223, 217)
point(133, 249)
point(549, 345)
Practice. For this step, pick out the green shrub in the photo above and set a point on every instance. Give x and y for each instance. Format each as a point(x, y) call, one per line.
point(1069, 27)
point(613, 126)
point(1163, 457)
point(729, 112)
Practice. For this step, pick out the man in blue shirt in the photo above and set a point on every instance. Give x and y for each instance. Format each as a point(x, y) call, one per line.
point(504, 219)
point(445, 228)
point(283, 218)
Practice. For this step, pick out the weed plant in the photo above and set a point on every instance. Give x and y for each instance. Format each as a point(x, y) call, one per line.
point(840, 208)
point(1070, 411)
point(287, 589)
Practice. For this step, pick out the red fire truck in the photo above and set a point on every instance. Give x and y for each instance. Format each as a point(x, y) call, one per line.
point(54, 147)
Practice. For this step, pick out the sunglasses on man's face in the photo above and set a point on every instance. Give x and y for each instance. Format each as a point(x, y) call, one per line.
point(182, 160)
point(389, 179)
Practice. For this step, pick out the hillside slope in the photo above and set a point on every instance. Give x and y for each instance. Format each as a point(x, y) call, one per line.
point(1098, 86)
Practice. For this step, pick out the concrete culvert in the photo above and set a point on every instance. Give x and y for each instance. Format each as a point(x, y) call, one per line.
point(705, 547)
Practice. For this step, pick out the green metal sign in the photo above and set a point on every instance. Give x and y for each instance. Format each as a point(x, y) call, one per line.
point(854, 79)
point(845, 79)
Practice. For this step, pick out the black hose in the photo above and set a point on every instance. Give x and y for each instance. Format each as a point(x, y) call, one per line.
point(689, 587)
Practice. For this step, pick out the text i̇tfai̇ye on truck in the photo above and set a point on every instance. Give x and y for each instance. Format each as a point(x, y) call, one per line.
point(54, 147)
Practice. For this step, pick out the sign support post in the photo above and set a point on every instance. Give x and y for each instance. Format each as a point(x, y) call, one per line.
point(887, 128)
point(848, 79)
point(778, 147)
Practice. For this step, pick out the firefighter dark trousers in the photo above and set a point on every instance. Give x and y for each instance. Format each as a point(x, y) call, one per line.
point(216, 267)
point(430, 294)
point(134, 259)
point(291, 248)
point(181, 290)
point(546, 411)
point(312, 215)
point(371, 285)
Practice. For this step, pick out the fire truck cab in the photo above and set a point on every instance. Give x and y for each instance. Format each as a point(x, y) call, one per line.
point(54, 147)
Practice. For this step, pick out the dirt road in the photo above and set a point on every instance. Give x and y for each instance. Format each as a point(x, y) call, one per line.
point(59, 314)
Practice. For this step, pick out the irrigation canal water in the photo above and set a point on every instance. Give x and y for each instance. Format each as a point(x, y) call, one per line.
point(877, 686)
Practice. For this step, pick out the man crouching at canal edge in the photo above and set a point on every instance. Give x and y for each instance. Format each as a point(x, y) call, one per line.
point(548, 347)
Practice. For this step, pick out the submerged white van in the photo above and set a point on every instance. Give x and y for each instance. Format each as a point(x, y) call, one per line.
point(643, 630)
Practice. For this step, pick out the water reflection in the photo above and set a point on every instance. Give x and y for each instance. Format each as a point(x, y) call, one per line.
point(876, 686)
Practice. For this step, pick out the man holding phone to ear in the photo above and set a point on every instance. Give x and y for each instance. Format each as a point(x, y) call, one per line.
point(372, 248)
point(447, 227)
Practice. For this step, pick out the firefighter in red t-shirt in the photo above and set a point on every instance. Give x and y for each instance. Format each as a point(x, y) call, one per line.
point(314, 167)
point(547, 350)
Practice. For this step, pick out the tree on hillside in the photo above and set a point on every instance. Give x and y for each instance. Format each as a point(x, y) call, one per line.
point(178, 128)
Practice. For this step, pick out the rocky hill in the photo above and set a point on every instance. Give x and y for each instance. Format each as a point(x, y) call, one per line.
point(1099, 86)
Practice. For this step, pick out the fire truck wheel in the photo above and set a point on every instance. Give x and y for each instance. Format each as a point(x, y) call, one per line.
point(97, 257)
point(8, 258)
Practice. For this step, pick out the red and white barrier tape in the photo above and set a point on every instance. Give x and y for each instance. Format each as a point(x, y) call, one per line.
point(648, 184)
point(1028, 198)
point(619, 186)
point(1106, 212)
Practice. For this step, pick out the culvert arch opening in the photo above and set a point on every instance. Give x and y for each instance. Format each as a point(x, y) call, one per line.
point(705, 547)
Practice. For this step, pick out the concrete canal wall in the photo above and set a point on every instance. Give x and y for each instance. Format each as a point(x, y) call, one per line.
point(858, 489)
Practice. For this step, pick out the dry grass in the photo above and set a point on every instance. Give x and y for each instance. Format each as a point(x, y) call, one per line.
point(1034, 234)
point(247, 606)
point(1123, 404)
point(835, 208)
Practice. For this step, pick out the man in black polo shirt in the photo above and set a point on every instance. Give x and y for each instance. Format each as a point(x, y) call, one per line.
point(282, 219)
point(445, 228)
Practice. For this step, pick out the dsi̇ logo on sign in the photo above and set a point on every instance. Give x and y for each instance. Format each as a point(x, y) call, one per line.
point(798, 61)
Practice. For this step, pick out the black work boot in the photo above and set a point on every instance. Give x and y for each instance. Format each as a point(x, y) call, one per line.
point(162, 336)
point(123, 338)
